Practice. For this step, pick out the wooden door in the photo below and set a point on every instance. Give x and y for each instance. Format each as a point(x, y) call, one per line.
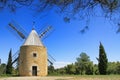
point(34, 70)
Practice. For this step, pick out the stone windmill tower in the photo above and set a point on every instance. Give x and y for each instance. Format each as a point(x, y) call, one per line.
point(33, 57)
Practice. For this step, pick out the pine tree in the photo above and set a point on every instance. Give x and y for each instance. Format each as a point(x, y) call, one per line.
point(102, 65)
point(82, 63)
point(9, 64)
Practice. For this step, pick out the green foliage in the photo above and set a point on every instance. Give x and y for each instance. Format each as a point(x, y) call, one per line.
point(95, 69)
point(102, 61)
point(83, 64)
point(15, 71)
point(118, 68)
point(61, 71)
point(113, 68)
point(2, 69)
point(89, 68)
point(51, 69)
point(70, 69)
point(9, 67)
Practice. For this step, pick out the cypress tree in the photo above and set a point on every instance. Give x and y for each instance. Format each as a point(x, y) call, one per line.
point(102, 65)
point(9, 63)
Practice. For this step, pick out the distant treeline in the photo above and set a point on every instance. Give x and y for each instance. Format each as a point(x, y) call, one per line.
point(84, 65)
point(89, 69)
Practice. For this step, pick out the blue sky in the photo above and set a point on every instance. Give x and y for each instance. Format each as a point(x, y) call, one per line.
point(66, 42)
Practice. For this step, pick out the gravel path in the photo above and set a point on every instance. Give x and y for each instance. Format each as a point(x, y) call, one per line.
point(37, 78)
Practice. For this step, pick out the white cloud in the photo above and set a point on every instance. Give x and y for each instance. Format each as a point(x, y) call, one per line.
point(60, 64)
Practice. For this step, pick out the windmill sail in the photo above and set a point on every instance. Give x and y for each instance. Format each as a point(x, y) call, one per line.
point(15, 60)
point(44, 32)
point(51, 63)
point(15, 57)
point(19, 33)
point(51, 58)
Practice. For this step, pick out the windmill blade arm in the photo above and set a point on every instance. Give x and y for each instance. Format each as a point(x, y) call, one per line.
point(43, 33)
point(21, 35)
point(12, 26)
point(15, 60)
point(18, 32)
point(50, 62)
point(51, 57)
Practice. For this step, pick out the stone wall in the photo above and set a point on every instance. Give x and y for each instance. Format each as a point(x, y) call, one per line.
point(27, 59)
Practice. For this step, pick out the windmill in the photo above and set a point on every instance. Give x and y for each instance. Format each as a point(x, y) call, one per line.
point(32, 46)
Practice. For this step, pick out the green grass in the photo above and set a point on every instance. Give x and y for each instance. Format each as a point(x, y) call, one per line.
point(91, 77)
point(96, 77)
point(82, 77)
point(7, 75)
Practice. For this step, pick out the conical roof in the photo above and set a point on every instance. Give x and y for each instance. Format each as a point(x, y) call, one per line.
point(33, 39)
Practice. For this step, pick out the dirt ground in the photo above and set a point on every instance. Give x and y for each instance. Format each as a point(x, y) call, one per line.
point(37, 78)
point(78, 77)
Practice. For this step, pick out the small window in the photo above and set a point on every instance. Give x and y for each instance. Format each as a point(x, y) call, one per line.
point(34, 55)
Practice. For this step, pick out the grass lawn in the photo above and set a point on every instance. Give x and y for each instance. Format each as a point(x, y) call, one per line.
point(96, 77)
point(90, 77)
point(73, 77)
